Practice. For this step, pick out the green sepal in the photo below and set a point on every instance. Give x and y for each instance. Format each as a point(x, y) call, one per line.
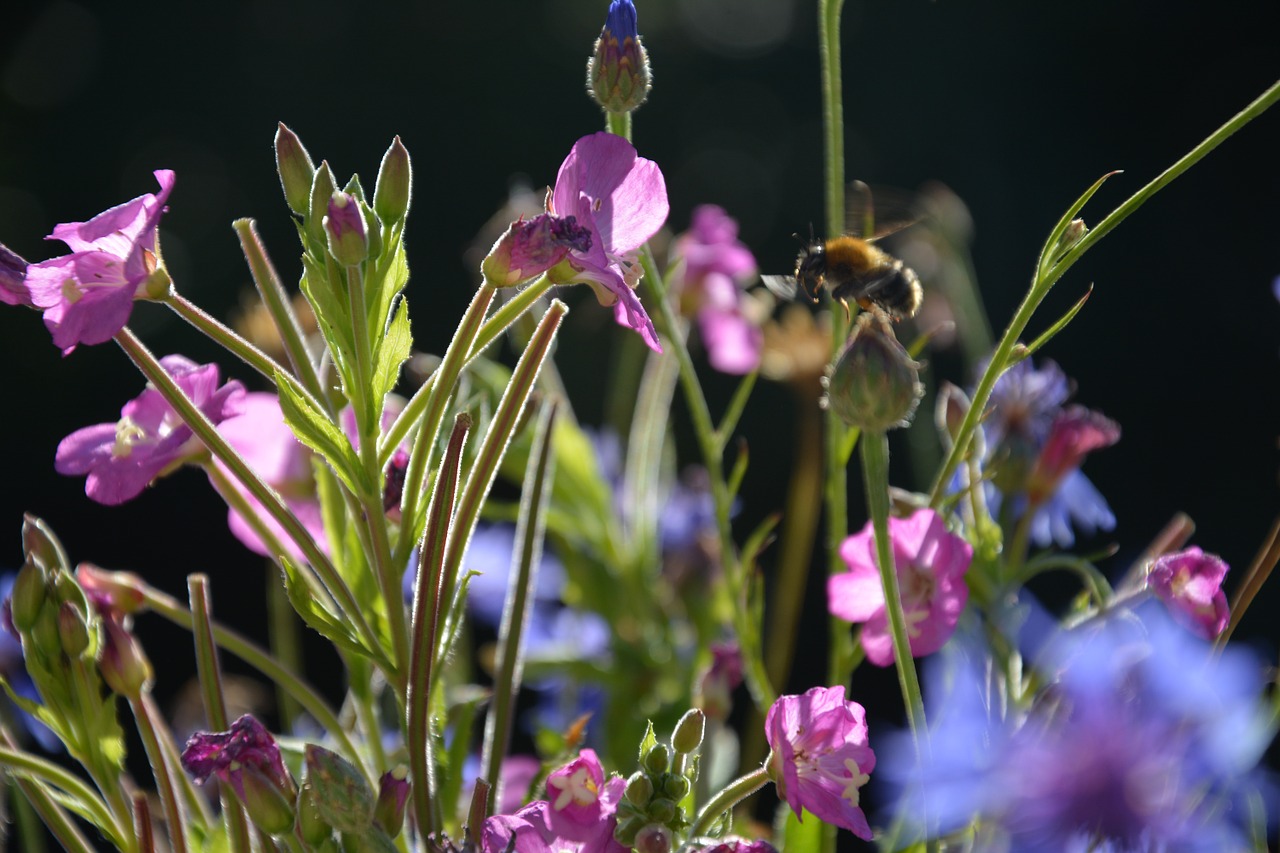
point(391, 351)
point(315, 430)
point(648, 742)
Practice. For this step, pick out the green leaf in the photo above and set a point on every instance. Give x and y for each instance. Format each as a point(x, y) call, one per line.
point(1049, 253)
point(332, 316)
point(314, 429)
point(1052, 330)
point(391, 352)
point(648, 742)
point(798, 837)
point(309, 605)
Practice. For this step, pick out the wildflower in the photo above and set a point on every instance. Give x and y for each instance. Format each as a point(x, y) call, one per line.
point(820, 757)
point(716, 266)
point(260, 435)
point(1035, 445)
point(246, 757)
point(575, 797)
point(530, 247)
point(150, 440)
point(621, 199)
point(87, 296)
point(930, 563)
point(739, 845)
point(1190, 584)
point(1145, 741)
point(13, 275)
point(618, 72)
point(580, 817)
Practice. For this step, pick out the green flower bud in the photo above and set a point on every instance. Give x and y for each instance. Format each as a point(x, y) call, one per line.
point(73, 630)
point(346, 231)
point(322, 189)
point(639, 789)
point(311, 825)
point(687, 736)
point(296, 170)
point(657, 759)
point(662, 810)
point(30, 589)
point(41, 546)
point(675, 786)
point(874, 384)
point(393, 793)
point(341, 795)
point(267, 806)
point(395, 184)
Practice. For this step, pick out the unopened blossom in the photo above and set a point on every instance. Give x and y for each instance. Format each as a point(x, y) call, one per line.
point(618, 75)
point(530, 247)
point(716, 267)
point(247, 758)
point(820, 757)
point(930, 562)
point(1190, 584)
point(87, 295)
point(121, 459)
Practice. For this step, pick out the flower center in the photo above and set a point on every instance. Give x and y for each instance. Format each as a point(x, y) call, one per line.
point(847, 777)
point(577, 787)
point(128, 434)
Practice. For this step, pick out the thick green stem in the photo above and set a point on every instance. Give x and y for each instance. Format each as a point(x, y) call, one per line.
point(733, 793)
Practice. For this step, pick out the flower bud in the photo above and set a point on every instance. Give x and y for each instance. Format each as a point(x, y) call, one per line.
point(311, 825)
point(653, 838)
point(618, 76)
point(657, 759)
point(114, 592)
point(639, 788)
point(41, 546)
point(675, 786)
point(296, 170)
point(530, 247)
point(874, 384)
point(662, 810)
point(393, 793)
point(1073, 234)
point(124, 666)
point(28, 595)
point(687, 736)
point(345, 229)
point(269, 807)
point(627, 829)
point(395, 184)
point(73, 630)
point(341, 795)
point(322, 189)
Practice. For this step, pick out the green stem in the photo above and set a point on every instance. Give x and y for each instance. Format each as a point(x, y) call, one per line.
point(619, 124)
point(175, 819)
point(875, 471)
point(1045, 280)
point(733, 793)
point(170, 608)
point(53, 815)
point(25, 765)
point(204, 429)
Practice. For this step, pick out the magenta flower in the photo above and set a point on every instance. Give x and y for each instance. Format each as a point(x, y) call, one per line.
point(13, 277)
point(530, 247)
point(1190, 584)
point(716, 267)
point(575, 792)
point(820, 757)
point(87, 296)
point(150, 440)
point(1075, 433)
point(260, 435)
point(621, 200)
point(930, 563)
point(247, 745)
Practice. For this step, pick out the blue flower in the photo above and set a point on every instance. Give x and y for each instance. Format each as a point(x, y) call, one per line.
point(1143, 740)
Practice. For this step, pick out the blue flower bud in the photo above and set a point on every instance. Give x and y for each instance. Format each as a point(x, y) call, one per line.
point(618, 75)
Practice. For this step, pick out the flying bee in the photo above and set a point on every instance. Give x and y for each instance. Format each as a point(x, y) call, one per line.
point(853, 267)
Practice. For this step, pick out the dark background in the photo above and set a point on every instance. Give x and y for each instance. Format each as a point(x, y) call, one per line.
point(1016, 106)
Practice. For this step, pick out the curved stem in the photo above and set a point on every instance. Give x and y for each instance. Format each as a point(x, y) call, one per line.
point(24, 764)
point(733, 793)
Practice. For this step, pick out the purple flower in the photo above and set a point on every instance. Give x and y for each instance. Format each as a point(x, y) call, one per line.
point(530, 247)
point(820, 756)
point(247, 745)
point(1035, 445)
point(621, 200)
point(87, 296)
point(930, 563)
point(1190, 584)
point(150, 440)
point(260, 435)
point(716, 266)
point(13, 276)
point(739, 845)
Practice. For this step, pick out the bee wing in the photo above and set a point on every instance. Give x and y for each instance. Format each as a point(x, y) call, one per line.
point(781, 286)
point(879, 213)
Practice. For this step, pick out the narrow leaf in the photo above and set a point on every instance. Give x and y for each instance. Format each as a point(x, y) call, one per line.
point(392, 350)
point(1053, 330)
point(316, 431)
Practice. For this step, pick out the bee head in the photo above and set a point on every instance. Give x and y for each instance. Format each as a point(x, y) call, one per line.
point(811, 265)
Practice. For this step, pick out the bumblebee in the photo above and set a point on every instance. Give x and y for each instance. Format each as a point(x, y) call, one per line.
point(855, 270)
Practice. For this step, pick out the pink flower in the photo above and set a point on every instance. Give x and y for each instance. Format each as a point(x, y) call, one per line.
point(1190, 584)
point(13, 276)
point(578, 817)
point(1076, 432)
point(260, 435)
point(716, 266)
point(621, 200)
point(930, 563)
point(87, 296)
point(820, 756)
point(247, 745)
point(150, 440)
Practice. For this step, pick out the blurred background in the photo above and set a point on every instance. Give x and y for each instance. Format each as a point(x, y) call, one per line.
point(1016, 107)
